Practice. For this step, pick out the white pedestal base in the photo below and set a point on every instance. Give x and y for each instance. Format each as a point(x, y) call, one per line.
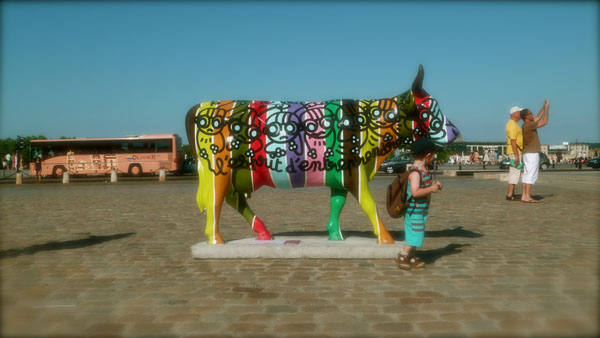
point(298, 247)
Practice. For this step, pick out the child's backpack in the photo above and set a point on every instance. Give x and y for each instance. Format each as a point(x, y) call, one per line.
point(396, 196)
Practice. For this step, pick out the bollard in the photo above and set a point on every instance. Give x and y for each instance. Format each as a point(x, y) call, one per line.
point(19, 178)
point(113, 176)
point(460, 165)
point(162, 176)
point(66, 177)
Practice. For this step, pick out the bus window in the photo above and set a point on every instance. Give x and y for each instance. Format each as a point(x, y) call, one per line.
point(163, 147)
point(137, 147)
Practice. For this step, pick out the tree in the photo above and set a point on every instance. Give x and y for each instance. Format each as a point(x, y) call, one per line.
point(10, 146)
point(185, 150)
point(443, 156)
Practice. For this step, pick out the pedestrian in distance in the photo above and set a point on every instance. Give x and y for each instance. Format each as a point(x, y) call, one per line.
point(7, 158)
point(419, 190)
point(514, 141)
point(38, 170)
point(532, 148)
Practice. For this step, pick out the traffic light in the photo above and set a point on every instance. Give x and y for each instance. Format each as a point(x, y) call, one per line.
point(20, 142)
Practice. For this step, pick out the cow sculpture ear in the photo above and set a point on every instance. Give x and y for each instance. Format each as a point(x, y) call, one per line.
point(417, 86)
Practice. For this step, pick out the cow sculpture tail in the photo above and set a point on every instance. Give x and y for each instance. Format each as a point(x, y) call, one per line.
point(190, 124)
point(209, 200)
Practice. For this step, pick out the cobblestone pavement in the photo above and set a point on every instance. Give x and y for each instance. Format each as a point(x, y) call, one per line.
point(114, 260)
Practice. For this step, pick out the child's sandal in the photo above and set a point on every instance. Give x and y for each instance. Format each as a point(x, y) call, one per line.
point(416, 263)
point(403, 262)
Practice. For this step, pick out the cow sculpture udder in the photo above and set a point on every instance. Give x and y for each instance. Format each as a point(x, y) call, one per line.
point(243, 145)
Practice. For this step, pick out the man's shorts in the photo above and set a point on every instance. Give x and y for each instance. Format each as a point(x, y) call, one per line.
point(513, 173)
point(531, 162)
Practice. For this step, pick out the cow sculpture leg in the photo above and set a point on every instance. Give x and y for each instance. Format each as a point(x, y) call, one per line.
point(365, 199)
point(338, 199)
point(239, 202)
point(212, 200)
point(213, 214)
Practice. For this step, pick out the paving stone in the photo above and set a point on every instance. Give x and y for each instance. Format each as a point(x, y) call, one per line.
point(105, 330)
point(393, 327)
point(439, 326)
point(281, 309)
point(293, 328)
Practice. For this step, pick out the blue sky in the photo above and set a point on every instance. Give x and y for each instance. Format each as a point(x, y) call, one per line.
point(109, 69)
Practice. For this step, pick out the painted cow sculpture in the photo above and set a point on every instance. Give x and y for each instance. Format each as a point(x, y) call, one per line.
point(243, 145)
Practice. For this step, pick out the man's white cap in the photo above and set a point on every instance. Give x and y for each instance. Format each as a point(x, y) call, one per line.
point(515, 109)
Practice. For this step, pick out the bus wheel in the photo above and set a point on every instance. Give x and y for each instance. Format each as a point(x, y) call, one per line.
point(135, 170)
point(58, 171)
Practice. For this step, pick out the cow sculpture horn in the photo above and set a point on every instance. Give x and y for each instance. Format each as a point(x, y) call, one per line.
point(417, 86)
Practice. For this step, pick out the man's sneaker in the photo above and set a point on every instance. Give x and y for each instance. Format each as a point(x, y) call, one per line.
point(403, 262)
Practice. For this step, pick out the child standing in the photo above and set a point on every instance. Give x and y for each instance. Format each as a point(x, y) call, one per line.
point(419, 190)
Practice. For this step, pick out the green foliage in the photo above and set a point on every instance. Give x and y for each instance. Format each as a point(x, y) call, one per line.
point(9, 146)
point(443, 156)
point(185, 150)
point(456, 148)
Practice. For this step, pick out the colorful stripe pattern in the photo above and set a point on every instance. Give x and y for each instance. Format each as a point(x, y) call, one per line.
point(244, 145)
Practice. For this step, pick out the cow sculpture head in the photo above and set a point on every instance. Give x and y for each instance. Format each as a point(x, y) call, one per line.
point(420, 116)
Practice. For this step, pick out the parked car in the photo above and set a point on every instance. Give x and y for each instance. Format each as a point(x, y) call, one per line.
point(189, 166)
point(593, 162)
point(397, 164)
point(544, 162)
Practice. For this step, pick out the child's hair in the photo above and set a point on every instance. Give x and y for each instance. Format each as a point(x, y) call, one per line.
point(422, 147)
point(420, 156)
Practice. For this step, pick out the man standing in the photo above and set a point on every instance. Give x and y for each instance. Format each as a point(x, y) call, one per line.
point(514, 141)
point(532, 148)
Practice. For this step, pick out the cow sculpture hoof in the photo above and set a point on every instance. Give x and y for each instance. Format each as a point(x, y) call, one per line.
point(386, 239)
point(336, 236)
point(264, 236)
point(216, 239)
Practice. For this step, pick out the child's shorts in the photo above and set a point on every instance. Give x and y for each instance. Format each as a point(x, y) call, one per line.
point(414, 229)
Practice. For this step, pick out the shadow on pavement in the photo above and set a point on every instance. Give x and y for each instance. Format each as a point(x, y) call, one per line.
point(64, 245)
point(430, 256)
point(541, 197)
point(456, 232)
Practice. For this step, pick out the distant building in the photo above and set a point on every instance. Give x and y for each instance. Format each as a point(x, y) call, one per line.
point(568, 150)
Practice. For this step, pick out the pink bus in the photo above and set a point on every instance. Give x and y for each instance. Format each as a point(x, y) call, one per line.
point(131, 155)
